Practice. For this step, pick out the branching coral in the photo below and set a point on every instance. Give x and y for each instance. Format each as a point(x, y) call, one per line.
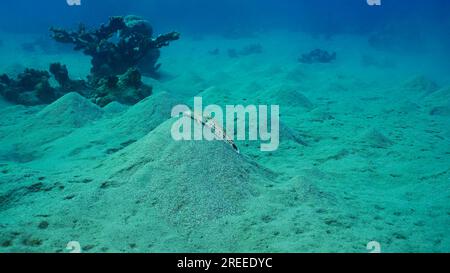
point(120, 50)
point(123, 43)
point(61, 75)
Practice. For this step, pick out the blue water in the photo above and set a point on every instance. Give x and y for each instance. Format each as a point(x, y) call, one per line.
point(207, 16)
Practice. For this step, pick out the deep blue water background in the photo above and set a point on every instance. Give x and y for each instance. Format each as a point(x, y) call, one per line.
point(209, 16)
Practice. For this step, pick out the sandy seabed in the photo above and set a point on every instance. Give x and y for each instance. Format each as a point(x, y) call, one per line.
point(364, 155)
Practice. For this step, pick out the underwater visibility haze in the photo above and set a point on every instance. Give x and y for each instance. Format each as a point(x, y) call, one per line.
point(225, 126)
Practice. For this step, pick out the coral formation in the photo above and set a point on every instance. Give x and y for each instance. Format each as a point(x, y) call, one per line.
point(317, 56)
point(376, 139)
point(126, 88)
point(31, 87)
point(119, 49)
point(112, 56)
point(441, 111)
point(61, 75)
point(420, 85)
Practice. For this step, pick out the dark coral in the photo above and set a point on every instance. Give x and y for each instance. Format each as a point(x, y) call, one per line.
point(60, 73)
point(317, 56)
point(31, 87)
point(120, 50)
point(126, 88)
point(123, 43)
point(66, 84)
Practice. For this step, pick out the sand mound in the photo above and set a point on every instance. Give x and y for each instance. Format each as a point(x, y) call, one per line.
point(69, 113)
point(115, 108)
point(438, 102)
point(441, 111)
point(118, 128)
point(16, 114)
point(288, 138)
point(287, 97)
point(149, 189)
point(187, 182)
point(303, 189)
point(288, 134)
point(408, 107)
point(146, 115)
point(320, 114)
point(186, 85)
point(440, 95)
point(72, 111)
point(420, 85)
point(376, 139)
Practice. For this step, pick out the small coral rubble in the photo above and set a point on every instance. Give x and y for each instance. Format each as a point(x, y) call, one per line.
point(317, 56)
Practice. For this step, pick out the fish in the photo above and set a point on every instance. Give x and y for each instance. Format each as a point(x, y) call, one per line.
point(216, 129)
